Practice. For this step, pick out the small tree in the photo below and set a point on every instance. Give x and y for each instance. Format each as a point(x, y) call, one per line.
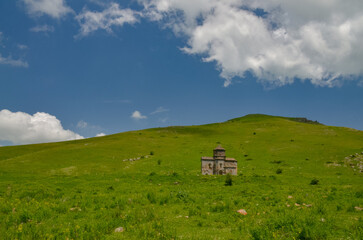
point(228, 181)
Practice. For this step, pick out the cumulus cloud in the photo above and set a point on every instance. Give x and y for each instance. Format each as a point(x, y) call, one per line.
point(137, 115)
point(42, 28)
point(159, 110)
point(91, 21)
point(100, 135)
point(54, 8)
point(276, 40)
point(23, 128)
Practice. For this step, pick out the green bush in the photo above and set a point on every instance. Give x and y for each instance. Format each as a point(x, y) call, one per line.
point(229, 180)
point(314, 182)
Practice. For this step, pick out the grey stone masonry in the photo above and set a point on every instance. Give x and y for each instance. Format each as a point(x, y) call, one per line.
point(219, 164)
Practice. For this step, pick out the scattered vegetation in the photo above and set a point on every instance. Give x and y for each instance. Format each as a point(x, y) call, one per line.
point(85, 190)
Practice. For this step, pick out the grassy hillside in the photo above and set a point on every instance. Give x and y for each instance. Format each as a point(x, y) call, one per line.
point(149, 183)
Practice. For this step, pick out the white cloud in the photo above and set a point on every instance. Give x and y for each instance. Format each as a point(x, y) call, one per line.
point(137, 115)
point(13, 62)
point(42, 28)
point(315, 40)
point(100, 135)
point(160, 110)
point(22, 128)
point(22, 46)
point(163, 120)
point(54, 8)
point(9, 60)
point(91, 21)
point(82, 124)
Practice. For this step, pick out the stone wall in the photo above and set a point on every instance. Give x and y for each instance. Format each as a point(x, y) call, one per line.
point(231, 167)
point(207, 167)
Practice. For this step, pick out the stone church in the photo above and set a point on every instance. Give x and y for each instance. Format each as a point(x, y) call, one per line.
point(219, 164)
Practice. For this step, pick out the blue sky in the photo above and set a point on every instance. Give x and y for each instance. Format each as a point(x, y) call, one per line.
point(73, 69)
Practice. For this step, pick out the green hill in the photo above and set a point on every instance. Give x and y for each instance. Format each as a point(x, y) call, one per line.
point(296, 180)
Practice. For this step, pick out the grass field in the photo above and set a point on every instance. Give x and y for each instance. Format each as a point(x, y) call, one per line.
point(295, 180)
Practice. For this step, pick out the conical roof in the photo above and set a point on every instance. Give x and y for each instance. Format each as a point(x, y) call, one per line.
point(219, 147)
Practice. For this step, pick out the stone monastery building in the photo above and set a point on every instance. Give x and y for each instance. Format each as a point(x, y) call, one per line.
point(219, 164)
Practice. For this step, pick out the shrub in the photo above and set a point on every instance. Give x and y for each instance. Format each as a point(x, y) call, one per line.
point(159, 162)
point(228, 181)
point(151, 152)
point(314, 182)
point(279, 171)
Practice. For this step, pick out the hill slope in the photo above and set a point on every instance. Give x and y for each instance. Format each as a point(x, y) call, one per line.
point(148, 182)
